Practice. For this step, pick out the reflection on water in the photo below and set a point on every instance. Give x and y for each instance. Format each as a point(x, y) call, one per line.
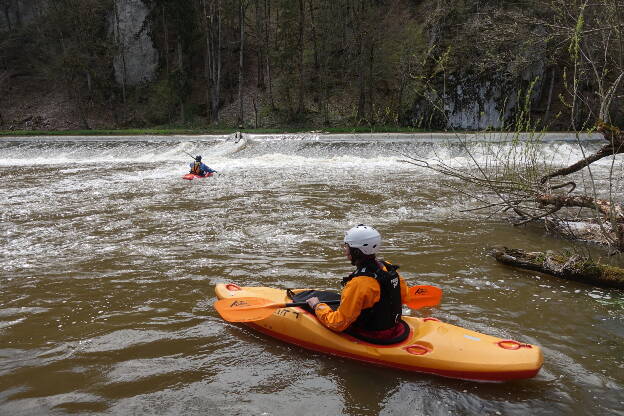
point(109, 260)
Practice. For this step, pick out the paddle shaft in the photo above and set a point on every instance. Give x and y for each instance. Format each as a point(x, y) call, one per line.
point(418, 297)
point(329, 302)
point(250, 309)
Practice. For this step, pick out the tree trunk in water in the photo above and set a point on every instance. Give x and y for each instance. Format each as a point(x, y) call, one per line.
point(606, 208)
point(577, 268)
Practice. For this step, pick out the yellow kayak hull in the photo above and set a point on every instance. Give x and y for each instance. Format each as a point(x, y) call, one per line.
point(432, 347)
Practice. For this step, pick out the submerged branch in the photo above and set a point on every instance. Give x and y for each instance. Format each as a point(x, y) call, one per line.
point(571, 184)
point(611, 225)
point(586, 230)
point(537, 217)
point(503, 187)
point(607, 208)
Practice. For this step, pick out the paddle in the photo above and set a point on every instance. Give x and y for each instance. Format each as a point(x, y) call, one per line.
point(423, 296)
point(249, 309)
point(252, 309)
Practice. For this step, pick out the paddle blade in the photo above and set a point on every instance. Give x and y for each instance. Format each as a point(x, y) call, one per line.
point(423, 295)
point(245, 309)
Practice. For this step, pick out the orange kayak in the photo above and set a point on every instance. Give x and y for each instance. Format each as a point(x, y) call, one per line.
point(432, 347)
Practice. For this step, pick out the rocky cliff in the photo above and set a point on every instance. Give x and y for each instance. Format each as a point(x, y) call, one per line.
point(137, 61)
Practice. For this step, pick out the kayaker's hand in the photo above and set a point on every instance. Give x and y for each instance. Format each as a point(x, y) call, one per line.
point(312, 302)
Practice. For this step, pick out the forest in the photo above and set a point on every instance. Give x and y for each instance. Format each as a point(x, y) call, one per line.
point(430, 64)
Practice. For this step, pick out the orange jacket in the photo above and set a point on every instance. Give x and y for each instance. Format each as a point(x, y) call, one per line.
point(361, 292)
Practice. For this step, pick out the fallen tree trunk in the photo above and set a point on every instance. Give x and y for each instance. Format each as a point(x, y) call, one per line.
point(577, 268)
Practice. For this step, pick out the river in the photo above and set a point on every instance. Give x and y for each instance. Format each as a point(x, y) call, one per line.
point(109, 261)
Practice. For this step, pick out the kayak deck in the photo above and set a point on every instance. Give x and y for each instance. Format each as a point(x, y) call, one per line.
point(432, 347)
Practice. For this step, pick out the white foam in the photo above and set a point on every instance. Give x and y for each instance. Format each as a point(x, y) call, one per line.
point(311, 151)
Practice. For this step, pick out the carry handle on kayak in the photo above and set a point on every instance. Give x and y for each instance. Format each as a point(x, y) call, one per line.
point(249, 309)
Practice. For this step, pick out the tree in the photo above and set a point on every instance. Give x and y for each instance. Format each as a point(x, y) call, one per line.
point(213, 62)
point(242, 9)
point(74, 46)
point(586, 40)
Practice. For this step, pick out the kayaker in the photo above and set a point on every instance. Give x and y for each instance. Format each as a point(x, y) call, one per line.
point(372, 297)
point(198, 168)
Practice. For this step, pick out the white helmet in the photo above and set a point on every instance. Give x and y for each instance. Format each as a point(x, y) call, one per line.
point(364, 238)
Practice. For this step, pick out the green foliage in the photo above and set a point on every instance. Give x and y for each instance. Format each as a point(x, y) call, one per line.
point(73, 41)
point(161, 103)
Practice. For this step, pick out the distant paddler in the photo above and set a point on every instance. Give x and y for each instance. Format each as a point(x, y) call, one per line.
point(199, 168)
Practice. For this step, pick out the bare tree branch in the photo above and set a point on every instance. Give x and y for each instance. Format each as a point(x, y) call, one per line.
point(612, 134)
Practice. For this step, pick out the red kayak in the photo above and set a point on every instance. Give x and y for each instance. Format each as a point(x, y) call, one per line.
point(191, 176)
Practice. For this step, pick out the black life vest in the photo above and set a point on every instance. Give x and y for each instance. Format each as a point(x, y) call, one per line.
point(386, 313)
point(196, 169)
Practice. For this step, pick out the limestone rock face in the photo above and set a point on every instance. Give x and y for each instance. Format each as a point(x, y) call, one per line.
point(137, 61)
point(473, 102)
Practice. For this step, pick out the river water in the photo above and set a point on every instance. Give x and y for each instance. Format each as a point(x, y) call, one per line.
point(109, 261)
